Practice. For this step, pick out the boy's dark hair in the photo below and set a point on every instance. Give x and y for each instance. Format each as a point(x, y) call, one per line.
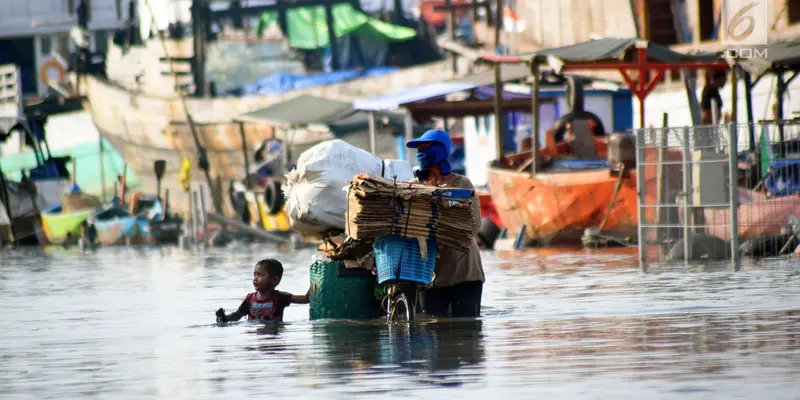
point(272, 266)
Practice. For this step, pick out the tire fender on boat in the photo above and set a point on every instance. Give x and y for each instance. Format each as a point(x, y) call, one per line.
point(239, 204)
point(273, 197)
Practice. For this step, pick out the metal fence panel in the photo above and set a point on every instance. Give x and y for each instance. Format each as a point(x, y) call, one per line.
point(687, 187)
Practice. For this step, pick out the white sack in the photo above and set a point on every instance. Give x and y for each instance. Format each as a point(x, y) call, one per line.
point(316, 192)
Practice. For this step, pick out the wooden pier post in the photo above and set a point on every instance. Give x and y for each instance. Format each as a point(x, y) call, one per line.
point(733, 153)
point(203, 213)
point(195, 222)
point(535, 106)
point(661, 179)
point(498, 110)
point(244, 154)
point(102, 170)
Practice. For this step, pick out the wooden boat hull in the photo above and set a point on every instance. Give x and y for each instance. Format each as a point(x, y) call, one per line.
point(758, 215)
point(118, 231)
point(59, 228)
point(166, 231)
point(558, 207)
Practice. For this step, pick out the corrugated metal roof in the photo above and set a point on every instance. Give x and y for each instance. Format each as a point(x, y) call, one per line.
point(618, 49)
point(340, 117)
point(434, 90)
point(779, 55)
point(301, 110)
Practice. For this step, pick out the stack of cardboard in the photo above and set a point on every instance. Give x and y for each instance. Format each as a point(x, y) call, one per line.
point(380, 207)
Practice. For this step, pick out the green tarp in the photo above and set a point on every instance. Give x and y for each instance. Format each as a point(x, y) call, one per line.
point(308, 29)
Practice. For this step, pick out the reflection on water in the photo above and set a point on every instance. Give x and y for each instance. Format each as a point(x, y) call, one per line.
point(138, 322)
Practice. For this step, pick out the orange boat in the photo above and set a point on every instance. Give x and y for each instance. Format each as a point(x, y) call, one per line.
point(562, 203)
point(557, 206)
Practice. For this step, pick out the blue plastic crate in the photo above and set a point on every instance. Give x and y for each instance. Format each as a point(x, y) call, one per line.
point(393, 250)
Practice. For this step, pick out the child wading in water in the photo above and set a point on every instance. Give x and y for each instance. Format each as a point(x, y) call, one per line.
point(266, 303)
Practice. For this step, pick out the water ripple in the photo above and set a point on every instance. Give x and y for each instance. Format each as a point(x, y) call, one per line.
point(557, 323)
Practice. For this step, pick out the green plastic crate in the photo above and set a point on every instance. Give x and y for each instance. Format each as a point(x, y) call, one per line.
point(341, 297)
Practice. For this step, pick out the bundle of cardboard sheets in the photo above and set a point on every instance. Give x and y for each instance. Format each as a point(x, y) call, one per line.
point(380, 207)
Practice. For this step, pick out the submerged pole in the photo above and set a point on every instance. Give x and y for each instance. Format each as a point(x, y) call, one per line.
point(195, 216)
point(498, 110)
point(203, 213)
point(661, 179)
point(733, 186)
point(190, 218)
point(687, 175)
point(102, 169)
point(640, 158)
point(535, 111)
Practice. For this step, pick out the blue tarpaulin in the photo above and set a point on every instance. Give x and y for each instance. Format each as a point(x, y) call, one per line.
point(282, 83)
point(783, 178)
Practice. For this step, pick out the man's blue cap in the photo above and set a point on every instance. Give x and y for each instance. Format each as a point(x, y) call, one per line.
point(434, 135)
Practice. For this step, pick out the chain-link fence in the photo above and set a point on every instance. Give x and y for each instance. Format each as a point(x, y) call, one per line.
point(686, 190)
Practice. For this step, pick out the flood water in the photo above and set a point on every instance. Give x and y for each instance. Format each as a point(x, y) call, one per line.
point(139, 323)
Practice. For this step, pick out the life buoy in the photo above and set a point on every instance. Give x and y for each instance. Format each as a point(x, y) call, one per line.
point(51, 64)
point(273, 197)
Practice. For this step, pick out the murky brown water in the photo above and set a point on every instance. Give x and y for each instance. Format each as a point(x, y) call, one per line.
point(135, 323)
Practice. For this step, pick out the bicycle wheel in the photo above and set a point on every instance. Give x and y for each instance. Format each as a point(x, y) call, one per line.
point(399, 310)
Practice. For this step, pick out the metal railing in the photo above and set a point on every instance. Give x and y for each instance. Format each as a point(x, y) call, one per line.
point(688, 189)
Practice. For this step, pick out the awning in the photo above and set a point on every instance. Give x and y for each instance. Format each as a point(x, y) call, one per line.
point(301, 110)
point(620, 49)
point(338, 116)
point(434, 90)
point(600, 51)
point(783, 55)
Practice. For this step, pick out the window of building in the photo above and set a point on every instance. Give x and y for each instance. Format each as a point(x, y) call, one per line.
point(100, 41)
point(706, 19)
point(46, 45)
point(793, 9)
